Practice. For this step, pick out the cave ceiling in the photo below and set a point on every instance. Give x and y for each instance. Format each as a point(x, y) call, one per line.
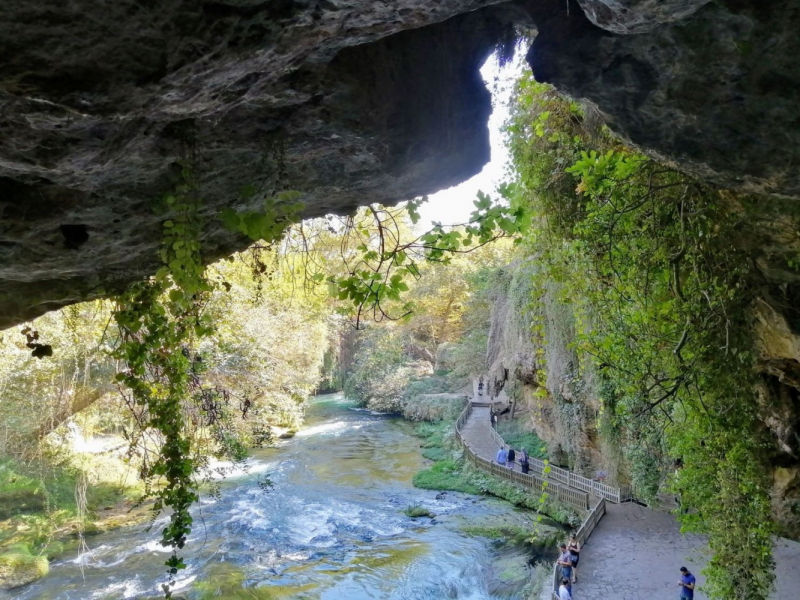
point(347, 102)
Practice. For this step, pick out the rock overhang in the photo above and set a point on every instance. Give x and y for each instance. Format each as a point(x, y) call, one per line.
point(347, 102)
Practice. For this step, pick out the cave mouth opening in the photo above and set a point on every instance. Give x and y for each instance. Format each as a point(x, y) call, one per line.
point(455, 204)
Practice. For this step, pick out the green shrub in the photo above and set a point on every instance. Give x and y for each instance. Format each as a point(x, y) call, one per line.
point(516, 436)
point(436, 454)
point(416, 511)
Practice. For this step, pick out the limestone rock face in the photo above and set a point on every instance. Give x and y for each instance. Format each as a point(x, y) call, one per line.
point(637, 16)
point(786, 500)
point(348, 102)
point(345, 101)
point(715, 92)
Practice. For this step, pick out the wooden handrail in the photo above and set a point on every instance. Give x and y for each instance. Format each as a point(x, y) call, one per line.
point(570, 490)
point(583, 533)
point(575, 497)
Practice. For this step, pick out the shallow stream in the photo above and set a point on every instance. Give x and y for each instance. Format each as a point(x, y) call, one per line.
point(332, 528)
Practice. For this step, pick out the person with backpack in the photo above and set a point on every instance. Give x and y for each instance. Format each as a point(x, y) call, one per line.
point(480, 387)
point(511, 458)
point(502, 456)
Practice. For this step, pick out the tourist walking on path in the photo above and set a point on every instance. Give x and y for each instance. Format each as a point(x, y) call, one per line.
point(575, 550)
point(494, 420)
point(491, 417)
point(524, 462)
point(565, 562)
point(480, 387)
point(687, 583)
point(564, 590)
point(502, 456)
point(511, 457)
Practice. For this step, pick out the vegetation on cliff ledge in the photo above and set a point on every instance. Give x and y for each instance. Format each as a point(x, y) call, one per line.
point(661, 296)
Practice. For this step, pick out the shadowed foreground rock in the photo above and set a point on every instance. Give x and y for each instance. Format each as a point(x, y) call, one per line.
point(349, 102)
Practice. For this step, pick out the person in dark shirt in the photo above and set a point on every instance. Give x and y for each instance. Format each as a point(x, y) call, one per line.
point(687, 584)
point(575, 550)
point(524, 462)
point(511, 457)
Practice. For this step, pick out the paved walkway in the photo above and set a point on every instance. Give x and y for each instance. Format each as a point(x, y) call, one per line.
point(634, 553)
point(477, 433)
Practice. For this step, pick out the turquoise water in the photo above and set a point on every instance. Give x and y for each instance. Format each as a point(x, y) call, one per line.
point(331, 528)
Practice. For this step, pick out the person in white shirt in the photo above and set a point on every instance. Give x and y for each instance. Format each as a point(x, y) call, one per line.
point(563, 590)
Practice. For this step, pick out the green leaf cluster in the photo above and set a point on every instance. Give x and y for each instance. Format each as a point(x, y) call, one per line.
point(646, 259)
point(159, 321)
point(280, 211)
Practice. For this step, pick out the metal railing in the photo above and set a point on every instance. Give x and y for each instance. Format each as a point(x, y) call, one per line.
point(583, 533)
point(577, 498)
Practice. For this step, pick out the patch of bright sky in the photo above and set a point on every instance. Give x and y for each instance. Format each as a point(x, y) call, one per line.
point(454, 205)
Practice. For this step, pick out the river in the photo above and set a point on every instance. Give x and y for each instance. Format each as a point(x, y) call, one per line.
point(332, 527)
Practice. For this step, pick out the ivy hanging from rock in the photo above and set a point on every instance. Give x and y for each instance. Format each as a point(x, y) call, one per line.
point(651, 265)
point(160, 321)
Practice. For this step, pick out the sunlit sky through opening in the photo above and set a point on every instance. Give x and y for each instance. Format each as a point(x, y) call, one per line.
point(454, 205)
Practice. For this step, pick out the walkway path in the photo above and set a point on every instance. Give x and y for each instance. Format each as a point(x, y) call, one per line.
point(634, 553)
point(478, 435)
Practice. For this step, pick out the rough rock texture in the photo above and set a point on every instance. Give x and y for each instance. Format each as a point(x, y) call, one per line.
point(779, 363)
point(562, 410)
point(637, 16)
point(716, 92)
point(347, 101)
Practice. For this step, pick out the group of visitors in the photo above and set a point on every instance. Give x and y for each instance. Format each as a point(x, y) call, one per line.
point(568, 561)
point(508, 457)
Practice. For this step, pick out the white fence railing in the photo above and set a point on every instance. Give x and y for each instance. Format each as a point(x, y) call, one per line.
point(565, 477)
point(583, 533)
point(563, 484)
point(577, 498)
point(573, 480)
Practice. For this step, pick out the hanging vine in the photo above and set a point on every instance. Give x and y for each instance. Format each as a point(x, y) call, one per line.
point(159, 321)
